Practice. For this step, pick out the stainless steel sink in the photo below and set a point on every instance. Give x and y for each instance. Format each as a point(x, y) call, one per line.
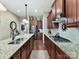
point(60, 39)
point(17, 41)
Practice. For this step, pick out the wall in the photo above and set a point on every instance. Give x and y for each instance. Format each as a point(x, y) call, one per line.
point(5, 19)
point(44, 20)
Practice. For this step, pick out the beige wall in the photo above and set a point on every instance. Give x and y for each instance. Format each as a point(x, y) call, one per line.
point(5, 19)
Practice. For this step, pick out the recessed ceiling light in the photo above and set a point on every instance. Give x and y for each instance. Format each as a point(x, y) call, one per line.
point(18, 10)
point(36, 10)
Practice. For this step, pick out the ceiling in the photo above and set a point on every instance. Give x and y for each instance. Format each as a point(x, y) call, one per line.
point(34, 7)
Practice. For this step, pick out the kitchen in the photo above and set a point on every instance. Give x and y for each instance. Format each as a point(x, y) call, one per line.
point(27, 33)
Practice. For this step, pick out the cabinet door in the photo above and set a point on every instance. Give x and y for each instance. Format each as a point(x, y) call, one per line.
point(23, 54)
point(31, 45)
point(60, 54)
point(24, 50)
point(52, 50)
point(17, 55)
point(27, 52)
point(50, 47)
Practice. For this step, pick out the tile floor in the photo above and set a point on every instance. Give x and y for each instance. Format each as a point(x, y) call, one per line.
point(39, 54)
point(39, 51)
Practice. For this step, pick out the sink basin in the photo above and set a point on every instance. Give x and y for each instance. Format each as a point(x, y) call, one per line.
point(17, 41)
point(60, 39)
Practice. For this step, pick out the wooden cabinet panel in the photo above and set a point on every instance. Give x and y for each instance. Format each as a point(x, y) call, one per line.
point(50, 47)
point(23, 54)
point(25, 50)
point(78, 10)
point(61, 56)
point(49, 21)
point(71, 9)
point(17, 55)
point(72, 12)
point(49, 24)
point(78, 13)
point(57, 9)
point(54, 51)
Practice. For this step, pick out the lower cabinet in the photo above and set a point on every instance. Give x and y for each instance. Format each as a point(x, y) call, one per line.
point(60, 54)
point(25, 51)
point(50, 47)
point(23, 54)
point(54, 51)
point(16, 55)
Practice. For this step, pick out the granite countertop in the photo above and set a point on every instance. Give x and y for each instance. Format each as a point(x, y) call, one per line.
point(71, 34)
point(7, 50)
point(70, 48)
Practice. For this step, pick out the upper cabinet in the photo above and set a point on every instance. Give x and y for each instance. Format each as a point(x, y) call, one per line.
point(70, 10)
point(57, 8)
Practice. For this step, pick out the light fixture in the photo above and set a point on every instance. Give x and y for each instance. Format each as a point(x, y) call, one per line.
point(2, 8)
point(18, 10)
point(36, 10)
point(26, 11)
point(25, 20)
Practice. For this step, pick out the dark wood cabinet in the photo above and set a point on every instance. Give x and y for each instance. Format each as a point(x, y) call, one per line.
point(50, 47)
point(57, 9)
point(25, 51)
point(72, 13)
point(30, 46)
point(54, 51)
point(23, 54)
point(16, 55)
point(60, 54)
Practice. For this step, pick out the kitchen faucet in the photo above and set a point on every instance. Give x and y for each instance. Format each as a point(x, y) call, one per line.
point(14, 33)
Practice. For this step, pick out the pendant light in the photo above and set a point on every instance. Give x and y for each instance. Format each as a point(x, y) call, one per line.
point(25, 20)
point(26, 11)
